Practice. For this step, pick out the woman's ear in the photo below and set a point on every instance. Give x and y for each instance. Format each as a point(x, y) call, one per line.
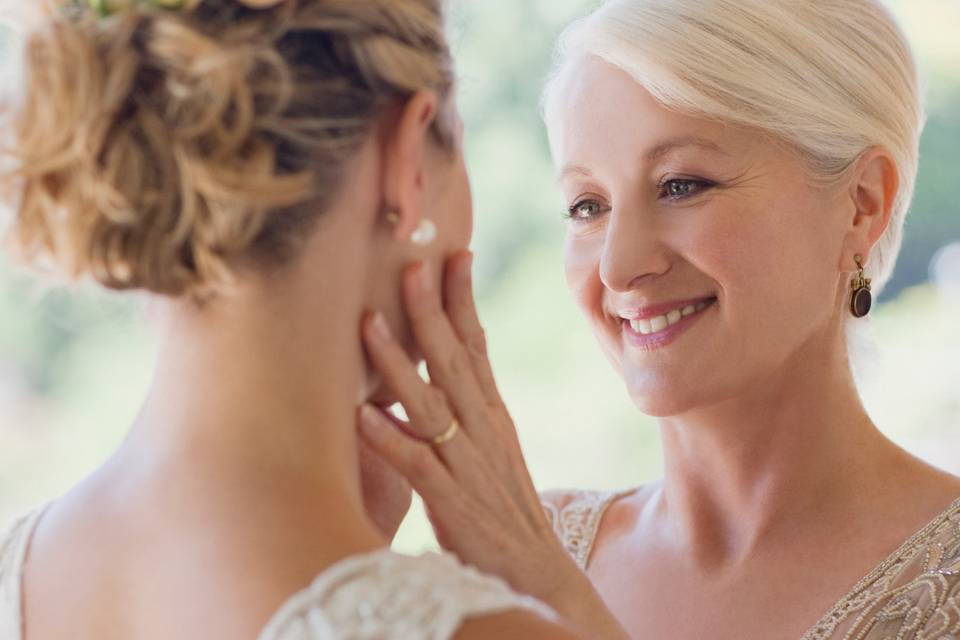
point(873, 189)
point(404, 156)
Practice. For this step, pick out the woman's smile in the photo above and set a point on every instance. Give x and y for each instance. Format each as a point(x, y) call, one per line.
point(652, 328)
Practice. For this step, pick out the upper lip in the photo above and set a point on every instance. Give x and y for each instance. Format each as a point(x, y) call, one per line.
point(647, 311)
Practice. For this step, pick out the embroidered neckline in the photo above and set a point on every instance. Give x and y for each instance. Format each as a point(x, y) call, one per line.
point(840, 610)
point(577, 523)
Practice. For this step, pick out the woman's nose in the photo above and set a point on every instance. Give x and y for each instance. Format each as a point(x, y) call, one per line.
point(633, 251)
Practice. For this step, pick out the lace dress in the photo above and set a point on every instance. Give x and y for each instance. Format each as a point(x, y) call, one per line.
point(912, 595)
point(376, 596)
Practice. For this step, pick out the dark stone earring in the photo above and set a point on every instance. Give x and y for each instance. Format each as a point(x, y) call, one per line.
point(862, 300)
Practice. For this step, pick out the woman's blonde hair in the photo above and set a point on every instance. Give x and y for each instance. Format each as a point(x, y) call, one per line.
point(831, 78)
point(154, 147)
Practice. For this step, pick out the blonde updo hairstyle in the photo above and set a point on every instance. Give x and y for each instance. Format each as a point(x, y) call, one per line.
point(830, 78)
point(153, 148)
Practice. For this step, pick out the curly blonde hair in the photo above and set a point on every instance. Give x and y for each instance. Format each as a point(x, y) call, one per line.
point(153, 148)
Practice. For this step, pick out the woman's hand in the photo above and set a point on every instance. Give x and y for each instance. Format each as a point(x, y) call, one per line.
point(386, 494)
point(476, 487)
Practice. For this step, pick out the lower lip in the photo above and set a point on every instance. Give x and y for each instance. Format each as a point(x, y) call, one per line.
point(665, 337)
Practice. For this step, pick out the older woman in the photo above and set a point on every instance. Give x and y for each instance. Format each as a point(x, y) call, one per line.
point(737, 175)
point(266, 174)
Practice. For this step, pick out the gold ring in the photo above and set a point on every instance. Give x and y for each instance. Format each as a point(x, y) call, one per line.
point(448, 434)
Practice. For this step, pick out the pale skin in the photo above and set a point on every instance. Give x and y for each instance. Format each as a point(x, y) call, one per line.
point(240, 480)
point(779, 492)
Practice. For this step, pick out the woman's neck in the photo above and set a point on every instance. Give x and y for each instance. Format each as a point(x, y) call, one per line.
point(257, 410)
point(794, 442)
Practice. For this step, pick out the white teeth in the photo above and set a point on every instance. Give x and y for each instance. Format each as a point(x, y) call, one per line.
point(654, 325)
point(641, 326)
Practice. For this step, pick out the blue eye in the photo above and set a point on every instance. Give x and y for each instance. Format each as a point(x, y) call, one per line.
point(584, 210)
point(672, 190)
point(681, 188)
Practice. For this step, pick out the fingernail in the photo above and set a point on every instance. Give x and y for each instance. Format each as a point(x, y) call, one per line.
point(368, 414)
point(380, 327)
point(370, 422)
point(466, 267)
point(424, 281)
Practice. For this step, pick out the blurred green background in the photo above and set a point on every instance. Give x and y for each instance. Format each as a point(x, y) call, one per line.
point(74, 365)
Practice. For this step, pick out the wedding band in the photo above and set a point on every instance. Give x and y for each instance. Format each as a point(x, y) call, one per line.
point(448, 434)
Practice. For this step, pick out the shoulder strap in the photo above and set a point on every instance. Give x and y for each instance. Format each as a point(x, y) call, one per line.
point(13, 550)
point(575, 516)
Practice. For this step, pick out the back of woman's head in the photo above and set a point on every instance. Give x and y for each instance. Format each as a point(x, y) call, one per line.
point(831, 78)
point(153, 148)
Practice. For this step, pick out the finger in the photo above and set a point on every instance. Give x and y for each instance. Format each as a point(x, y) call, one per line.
point(401, 424)
point(468, 468)
point(413, 459)
point(462, 311)
point(447, 359)
point(426, 405)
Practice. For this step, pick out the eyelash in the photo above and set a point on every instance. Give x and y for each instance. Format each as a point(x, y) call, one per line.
point(703, 184)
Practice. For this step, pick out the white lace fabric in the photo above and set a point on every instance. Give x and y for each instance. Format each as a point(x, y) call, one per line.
point(575, 516)
point(385, 595)
point(374, 596)
point(914, 594)
point(13, 549)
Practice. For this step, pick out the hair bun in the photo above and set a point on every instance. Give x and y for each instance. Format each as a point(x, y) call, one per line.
point(153, 148)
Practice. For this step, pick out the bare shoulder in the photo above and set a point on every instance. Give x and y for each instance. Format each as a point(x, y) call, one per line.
point(952, 483)
point(623, 514)
point(926, 487)
point(514, 624)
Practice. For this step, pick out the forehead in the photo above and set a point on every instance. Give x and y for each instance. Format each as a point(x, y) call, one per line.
point(599, 112)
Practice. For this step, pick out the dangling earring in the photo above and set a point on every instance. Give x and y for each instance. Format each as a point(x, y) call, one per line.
point(862, 300)
point(424, 234)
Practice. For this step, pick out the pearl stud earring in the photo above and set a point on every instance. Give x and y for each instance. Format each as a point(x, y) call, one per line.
point(423, 235)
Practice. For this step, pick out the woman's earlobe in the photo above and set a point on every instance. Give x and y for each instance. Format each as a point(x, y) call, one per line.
point(424, 233)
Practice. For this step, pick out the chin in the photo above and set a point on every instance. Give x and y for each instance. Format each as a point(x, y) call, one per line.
point(659, 398)
point(659, 407)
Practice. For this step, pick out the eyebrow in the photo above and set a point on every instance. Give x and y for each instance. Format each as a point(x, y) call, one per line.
point(684, 141)
point(655, 153)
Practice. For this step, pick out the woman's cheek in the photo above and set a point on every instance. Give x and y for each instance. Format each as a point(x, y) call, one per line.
point(582, 264)
point(582, 270)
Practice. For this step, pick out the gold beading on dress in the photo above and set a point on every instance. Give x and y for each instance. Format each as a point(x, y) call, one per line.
point(914, 594)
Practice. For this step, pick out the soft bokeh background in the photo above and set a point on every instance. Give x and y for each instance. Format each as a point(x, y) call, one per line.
point(74, 365)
